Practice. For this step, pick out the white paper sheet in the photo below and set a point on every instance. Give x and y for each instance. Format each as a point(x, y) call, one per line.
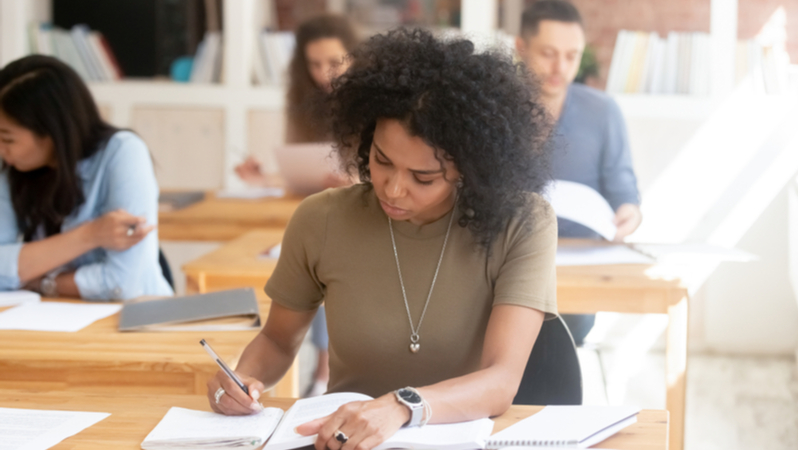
point(602, 255)
point(582, 204)
point(252, 193)
point(11, 298)
point(693, 252)
point(31, 429)
point(54, 316)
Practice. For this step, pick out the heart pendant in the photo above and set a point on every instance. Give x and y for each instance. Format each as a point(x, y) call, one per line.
point(414, 347)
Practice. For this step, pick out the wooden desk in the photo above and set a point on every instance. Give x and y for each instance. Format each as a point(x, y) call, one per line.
point(133, 417)
point(640, 289)
point(215, 219)
point(100, 358)
point(629, 288)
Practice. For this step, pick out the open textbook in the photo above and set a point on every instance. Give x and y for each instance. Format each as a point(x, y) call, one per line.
point(184, 428)
point(554, 426)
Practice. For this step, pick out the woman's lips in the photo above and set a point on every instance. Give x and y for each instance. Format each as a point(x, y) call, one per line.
point(391, 210)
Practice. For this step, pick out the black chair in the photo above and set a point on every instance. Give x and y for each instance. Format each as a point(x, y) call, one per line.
point(553, 373)
point(162, 261)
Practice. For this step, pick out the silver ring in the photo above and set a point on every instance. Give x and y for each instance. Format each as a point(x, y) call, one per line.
point(130, 231)
point(341, 437)
point(217, 395)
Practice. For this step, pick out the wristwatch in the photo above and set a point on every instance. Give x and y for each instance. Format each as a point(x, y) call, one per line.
point(409, 397)
point(48, 286)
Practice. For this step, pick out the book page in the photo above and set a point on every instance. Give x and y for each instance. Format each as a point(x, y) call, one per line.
point(306, 410)
point(31, 429)
point(181, 424)
point(54, 316)
point(450, 436)
point(582, 204)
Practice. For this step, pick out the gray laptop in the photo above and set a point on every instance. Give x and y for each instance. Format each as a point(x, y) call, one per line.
point(235, 309)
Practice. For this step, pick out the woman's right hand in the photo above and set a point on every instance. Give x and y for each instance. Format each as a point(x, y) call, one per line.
point(250, 172)
point(234, 402)
point(118, 230)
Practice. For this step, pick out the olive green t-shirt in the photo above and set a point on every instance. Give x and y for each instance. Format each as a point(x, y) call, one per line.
point(338, 250)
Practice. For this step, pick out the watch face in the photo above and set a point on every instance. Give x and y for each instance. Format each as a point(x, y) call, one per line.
point(409, 396)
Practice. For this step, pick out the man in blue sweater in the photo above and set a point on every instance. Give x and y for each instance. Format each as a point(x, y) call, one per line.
point(591, 142)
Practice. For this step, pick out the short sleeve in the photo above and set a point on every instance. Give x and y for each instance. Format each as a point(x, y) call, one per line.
point(617, 178)
point(527, 275)
point(295, 283)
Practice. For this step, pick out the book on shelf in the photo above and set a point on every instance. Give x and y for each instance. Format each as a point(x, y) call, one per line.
point(183, 428)
point(207, 65)
point(765, 68)
point(645, 63)
point(275, 51)
point(86, 51)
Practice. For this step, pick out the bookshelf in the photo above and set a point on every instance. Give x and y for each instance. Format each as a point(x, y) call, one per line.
point(236, 97)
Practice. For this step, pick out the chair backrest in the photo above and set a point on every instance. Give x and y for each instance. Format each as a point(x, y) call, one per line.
point(553, 373)
point(162, 261)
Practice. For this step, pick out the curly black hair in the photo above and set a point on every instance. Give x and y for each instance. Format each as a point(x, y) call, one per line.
point(478, 109)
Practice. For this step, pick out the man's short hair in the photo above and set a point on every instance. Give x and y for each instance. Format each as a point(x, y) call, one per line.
point(558, 10)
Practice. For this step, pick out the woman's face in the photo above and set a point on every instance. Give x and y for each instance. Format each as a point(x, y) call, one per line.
point(409, 181)
point(326, 59)
point(21, 148)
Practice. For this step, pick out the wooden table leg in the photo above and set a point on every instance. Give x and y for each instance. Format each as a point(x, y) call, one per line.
point(677, 337)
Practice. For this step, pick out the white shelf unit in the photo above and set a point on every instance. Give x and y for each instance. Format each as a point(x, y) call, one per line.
point(236, 96)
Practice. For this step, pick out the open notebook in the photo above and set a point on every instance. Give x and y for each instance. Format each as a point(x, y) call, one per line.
point(184, 428)
point(565, 427)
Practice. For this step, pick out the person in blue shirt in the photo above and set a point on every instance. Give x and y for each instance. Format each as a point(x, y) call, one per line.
point(78, 197)
point(590, 143)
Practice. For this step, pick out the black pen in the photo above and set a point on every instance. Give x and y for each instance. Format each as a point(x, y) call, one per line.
point(224, 366)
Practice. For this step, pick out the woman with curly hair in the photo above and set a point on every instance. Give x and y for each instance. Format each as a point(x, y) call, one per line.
point(439, 268)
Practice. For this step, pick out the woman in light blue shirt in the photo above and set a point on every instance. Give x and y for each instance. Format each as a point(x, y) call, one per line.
point(78, 198)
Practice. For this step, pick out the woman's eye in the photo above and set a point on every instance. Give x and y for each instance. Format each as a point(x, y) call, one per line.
point(425, 182)
point(381, 161)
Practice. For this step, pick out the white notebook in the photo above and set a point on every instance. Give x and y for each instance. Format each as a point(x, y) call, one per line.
point(184, 428)
point(566, 427)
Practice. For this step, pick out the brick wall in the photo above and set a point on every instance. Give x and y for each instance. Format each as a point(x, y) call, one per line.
point(604, 18)
point(754, 13)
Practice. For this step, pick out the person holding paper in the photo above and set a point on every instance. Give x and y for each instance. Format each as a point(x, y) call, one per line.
point(78, 197)
point(438, 269)
point(591, 142)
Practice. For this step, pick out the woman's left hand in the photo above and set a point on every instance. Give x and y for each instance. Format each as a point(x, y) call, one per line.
point(366, 424)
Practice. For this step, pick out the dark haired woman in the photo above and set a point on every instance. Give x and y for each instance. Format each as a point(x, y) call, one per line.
point(78, 198)
point(438, 270)
point(320, 55)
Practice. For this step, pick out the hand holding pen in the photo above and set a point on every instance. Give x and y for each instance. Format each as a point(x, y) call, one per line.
point(118, 230)
point(230, 393)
